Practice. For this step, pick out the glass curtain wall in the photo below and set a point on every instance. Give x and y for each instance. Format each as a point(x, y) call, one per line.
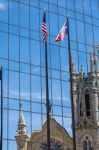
point(22, 57)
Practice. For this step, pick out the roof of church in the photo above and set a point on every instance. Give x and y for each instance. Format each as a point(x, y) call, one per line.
point(62, 128)
point(53, 120)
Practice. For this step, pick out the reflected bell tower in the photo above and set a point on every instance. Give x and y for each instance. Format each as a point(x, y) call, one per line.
point(86, 106)
point(21, 135)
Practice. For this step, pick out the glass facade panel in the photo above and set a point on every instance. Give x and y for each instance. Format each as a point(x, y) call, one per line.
point(14, 13)
point(22, 57)
point(24, 15)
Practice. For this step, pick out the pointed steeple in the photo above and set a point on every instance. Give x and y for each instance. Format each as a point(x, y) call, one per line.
point(81, 71)
point(96, 66)
point(21, 134)
point(21, 123)
point(92, 63)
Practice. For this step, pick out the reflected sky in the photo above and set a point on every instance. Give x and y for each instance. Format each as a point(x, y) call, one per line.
point(23, 59)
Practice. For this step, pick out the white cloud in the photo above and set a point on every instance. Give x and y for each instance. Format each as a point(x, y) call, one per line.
point(36, 69)
point(3, 5)
point(37, 95)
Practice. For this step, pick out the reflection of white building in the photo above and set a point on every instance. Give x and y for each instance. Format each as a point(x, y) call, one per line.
point(86, 104)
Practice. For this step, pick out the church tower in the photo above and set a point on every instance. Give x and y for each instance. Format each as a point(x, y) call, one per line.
point(21, 135)
point(86, 106)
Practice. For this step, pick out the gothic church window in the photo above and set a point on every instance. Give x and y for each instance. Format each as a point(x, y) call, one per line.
point(55, 145)
point(81, 114)
point(87, 145)
point(87, 103)
point(80, 110)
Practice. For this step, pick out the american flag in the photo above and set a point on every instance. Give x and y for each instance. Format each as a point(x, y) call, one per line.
point(44, 28)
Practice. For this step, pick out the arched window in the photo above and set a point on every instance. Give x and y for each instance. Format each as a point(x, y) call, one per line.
point(87, 103)
point(80, 105)
point(87, 145)
point(81, 113)
point(55, 145)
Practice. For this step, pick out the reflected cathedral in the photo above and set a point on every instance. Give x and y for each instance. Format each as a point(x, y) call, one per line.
point(86, 110)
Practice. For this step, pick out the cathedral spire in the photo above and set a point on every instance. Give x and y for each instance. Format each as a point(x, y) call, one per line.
point(96, 66)
point(81, 71)
point(21, 134)
point(92, 62)
point(21, 123)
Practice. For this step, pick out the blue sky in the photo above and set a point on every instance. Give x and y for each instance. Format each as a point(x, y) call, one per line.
point(28, 49)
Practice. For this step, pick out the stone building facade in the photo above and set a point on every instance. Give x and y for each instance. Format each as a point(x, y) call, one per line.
point(86, 106)
point(38, 139)
point(86, 112)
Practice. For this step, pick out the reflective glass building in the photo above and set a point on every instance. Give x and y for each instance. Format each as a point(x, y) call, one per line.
point(22, 57)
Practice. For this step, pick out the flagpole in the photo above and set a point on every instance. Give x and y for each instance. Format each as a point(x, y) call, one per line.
point(47, 99)
point(47, 95)
point(1, 111)
point(71, 88)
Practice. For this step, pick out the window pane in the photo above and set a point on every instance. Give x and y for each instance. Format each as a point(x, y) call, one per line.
point(14, 13)
point(13, 84)
point(24, 15)
point(4, 11)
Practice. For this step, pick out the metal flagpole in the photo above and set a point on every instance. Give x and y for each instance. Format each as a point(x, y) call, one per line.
point(45, 33)
point(1, 111)
point(47, 99)
point(71, 88)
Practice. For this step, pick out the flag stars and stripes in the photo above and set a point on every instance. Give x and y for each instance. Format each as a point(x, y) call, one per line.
point(44, 28)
